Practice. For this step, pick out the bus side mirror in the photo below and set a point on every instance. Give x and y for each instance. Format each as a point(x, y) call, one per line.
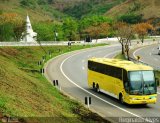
point(157, 81)
point(126, 86)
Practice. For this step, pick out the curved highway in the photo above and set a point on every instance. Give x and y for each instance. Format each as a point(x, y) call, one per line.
point(149, 55)
point(71, 71)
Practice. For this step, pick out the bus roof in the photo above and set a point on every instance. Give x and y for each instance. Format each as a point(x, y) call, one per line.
point(127, 65)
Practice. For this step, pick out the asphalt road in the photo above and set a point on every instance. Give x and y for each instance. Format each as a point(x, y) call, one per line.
point(70, 69)
point(149, 55)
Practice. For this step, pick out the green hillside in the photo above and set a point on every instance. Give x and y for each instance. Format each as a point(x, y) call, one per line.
point(39, 10)
point(91, 7)
point(147, 8)
point(59, 9)
point(24, 92)
point(72, 19)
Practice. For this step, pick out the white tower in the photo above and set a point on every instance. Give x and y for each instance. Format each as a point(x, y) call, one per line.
point(29, 35)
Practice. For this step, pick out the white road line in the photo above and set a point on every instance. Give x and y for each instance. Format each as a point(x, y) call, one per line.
point(111, 53)
point(150, 54)
point(94, 94)
point(153, 49)
point(156, 59)
point(83, 61)
point(99, 51)
point(89, 56)
point(137, 51)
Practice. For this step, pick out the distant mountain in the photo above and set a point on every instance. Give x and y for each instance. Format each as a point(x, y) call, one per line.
point(90, 7)
point(147, 8)
point(54, 9)
point(38, 10)
point(59, 9)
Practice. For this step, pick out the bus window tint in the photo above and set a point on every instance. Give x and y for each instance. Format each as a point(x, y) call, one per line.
point(148, 75)
point(125, 81)
point(105, 69)
point(149, 82)
point(135, 76)
point(142, 81)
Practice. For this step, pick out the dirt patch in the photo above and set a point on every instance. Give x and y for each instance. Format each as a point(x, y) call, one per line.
point(2, 72)
point(87, 115)
point(9, 51)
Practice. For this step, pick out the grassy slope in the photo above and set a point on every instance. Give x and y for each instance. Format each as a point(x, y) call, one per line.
point(148, 8)
point(38, 13)
point(24, 92)
point(120, 56)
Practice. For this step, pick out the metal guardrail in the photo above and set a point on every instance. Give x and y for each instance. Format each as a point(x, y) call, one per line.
point(18, 44)
point(141, 45)
point(136, 61)
point(141, 62)
point(52, 43)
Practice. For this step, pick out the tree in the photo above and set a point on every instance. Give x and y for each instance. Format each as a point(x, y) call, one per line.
point(42, 2)
point(45, 31)
point(6, 32)
point(18, 29)
point(128, 33)
point(98, 30)
point(28, 3)
point(119, 31)
point(124, 34)
point(142, 30)
point(11, 25)
point(70, 29)
point(50, 1)
point(91, 21)
point(130, 18)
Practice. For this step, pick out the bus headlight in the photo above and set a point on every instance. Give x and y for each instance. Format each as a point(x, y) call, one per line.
point(132, 98)
point(152, 97)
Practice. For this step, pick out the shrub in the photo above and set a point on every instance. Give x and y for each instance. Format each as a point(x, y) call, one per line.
point(28, 3)
point(130, 18)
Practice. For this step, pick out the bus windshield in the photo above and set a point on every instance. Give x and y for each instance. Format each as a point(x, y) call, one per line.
point(142, 82)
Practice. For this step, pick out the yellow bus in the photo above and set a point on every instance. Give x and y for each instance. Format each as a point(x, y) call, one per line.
point(129, 82)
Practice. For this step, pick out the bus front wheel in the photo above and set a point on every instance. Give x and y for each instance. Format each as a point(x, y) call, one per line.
point(121, 98)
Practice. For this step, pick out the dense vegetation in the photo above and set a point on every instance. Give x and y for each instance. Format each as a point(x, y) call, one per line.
point(91, 7)
point(48, 18)
point(69, 29)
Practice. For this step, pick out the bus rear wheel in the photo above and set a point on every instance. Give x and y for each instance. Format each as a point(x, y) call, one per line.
point(97, 88)
point(93, 86)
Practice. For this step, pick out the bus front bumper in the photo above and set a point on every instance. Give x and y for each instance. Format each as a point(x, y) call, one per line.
point(142, 100)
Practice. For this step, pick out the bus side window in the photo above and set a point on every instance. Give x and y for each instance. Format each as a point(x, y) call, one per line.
point(92, 65)
point(125, 81)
